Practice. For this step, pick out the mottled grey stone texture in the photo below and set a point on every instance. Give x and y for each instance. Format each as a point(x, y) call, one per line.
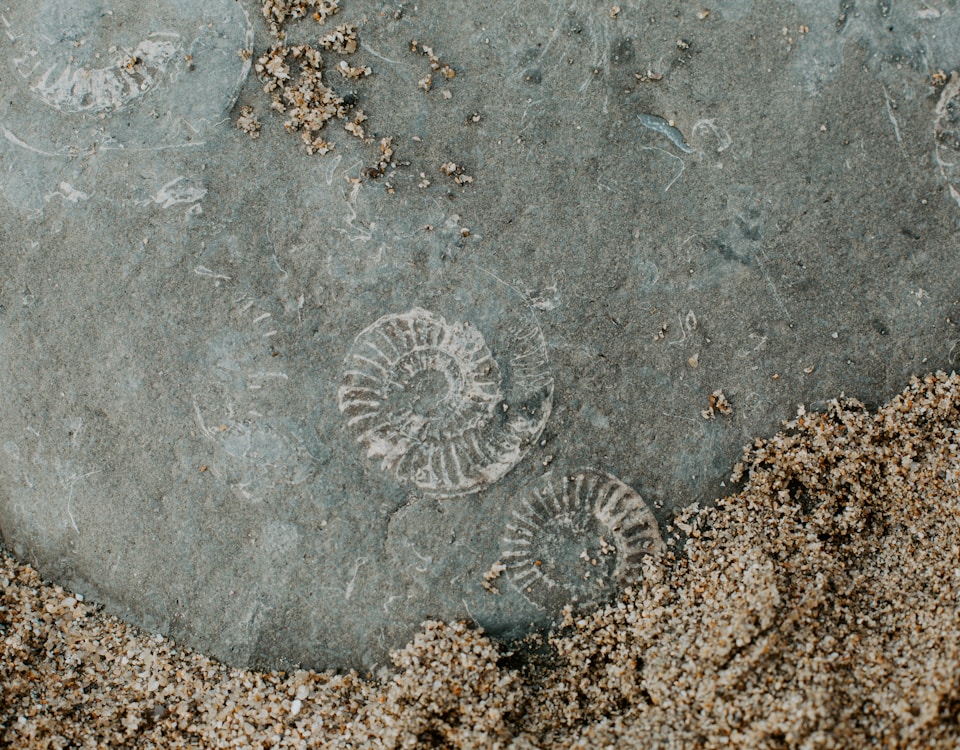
point(283, 410)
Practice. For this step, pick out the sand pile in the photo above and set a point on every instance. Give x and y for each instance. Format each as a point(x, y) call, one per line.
point(817, 607)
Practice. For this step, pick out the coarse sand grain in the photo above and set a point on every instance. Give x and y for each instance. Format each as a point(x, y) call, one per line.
point(817, 607)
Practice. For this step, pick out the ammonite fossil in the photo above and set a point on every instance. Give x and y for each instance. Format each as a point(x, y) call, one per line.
point(95, 57)
point(124, 75)
point(429, 399)
point(577, 538)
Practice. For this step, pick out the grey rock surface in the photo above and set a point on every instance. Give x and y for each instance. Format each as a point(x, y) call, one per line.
point(283, 408)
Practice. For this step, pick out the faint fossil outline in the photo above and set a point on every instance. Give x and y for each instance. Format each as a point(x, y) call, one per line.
point(94, 58)
point(255, 453)
point(583, 498)
point(83, 88)
point(467, 428)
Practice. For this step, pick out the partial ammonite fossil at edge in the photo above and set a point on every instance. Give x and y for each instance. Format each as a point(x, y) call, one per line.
point(94, 56)
point(167, 65)
point(430, 400)
point(577, 538)
point(123, 76)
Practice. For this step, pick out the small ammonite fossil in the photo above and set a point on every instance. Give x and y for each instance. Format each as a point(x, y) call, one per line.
point(577, 538)
point(429, 399)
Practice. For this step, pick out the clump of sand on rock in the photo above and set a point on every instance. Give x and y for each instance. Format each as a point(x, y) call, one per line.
point(817, 607)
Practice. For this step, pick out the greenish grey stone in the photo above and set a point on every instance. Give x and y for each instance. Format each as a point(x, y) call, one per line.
point(763, 201)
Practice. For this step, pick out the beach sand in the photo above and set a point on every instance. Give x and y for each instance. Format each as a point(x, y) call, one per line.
point(816, 607)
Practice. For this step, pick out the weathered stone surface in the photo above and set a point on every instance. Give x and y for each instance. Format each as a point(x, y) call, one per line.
point(283, 407)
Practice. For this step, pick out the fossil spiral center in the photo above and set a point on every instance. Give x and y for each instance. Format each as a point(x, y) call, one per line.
point(571, 553)
point(431, 396)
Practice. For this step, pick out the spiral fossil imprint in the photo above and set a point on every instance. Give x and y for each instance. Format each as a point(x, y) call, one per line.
point(429, 399)
point(577, 538)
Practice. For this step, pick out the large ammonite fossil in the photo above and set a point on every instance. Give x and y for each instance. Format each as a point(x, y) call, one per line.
point(429, 399)
point(578, 538)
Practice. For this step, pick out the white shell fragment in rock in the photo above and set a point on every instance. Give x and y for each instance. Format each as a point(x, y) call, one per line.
point(429, 400)
point(577, 538)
